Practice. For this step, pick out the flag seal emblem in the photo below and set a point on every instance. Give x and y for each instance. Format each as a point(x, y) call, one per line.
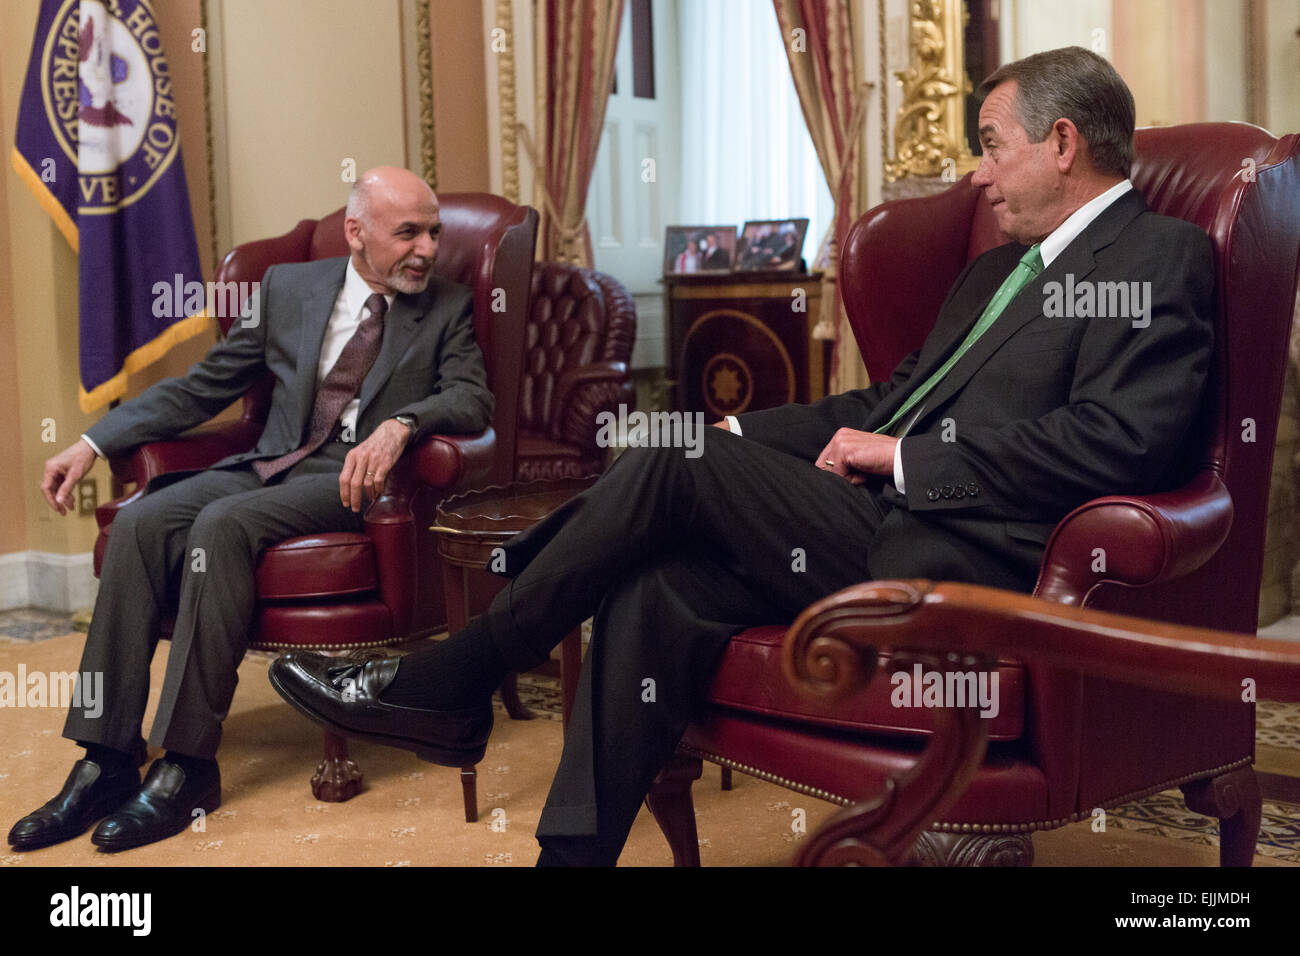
point(108, 97)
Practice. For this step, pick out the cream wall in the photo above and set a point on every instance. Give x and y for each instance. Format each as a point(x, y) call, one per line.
point(301, 88)
point(1282, 74)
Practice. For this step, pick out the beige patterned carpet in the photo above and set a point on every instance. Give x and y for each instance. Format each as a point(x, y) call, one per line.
point(411, 813)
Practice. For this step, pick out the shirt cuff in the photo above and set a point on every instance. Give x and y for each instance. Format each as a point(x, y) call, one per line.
point(732, 423)
point(93, 447)
point(898, 467)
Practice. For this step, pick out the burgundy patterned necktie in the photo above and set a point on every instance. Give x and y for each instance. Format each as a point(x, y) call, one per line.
point(340, 387)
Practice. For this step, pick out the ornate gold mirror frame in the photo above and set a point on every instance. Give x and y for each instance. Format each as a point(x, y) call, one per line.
point(930, 127)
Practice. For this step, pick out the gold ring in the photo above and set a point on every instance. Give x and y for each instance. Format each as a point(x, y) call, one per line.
point(829, 462)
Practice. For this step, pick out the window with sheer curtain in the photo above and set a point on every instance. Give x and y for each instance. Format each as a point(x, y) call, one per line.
point(746, 153)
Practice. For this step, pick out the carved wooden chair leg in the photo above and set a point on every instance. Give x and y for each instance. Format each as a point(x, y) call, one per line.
point(469, 787)
point(1235, 799)
point(669, 800)
point(337, 778)
point(934, 848)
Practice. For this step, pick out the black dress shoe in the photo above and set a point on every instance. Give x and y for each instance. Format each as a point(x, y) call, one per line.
point(163, 806)
point(343, 696)
point(87, 795)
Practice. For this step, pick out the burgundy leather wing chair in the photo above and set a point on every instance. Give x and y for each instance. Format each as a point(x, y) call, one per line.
point(581, 329)
point(1065, 741)
point(344, 591)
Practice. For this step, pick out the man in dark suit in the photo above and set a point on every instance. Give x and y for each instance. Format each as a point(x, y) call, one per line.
point(368, 353)
point(715, 257)
point(1013, 412)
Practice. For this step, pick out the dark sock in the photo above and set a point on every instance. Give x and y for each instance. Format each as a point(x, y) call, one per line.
point(110, 761)
point(454, 674)
point(191, 765)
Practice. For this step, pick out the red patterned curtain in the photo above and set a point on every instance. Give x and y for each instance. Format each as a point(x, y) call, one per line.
point(821, 45)
point(579, 39)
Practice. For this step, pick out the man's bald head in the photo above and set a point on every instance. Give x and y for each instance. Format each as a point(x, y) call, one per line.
point(392, 227)
point(385, 183)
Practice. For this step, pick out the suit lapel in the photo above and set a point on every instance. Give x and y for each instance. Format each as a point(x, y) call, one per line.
point(400, 325)
point(317, 307)
point(1077, 260)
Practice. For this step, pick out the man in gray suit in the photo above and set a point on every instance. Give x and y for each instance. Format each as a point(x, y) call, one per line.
point(368, 353)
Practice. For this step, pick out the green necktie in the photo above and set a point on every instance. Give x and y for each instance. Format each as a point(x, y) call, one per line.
point(1031, 264)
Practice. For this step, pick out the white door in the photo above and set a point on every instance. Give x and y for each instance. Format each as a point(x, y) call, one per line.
point(634, 188)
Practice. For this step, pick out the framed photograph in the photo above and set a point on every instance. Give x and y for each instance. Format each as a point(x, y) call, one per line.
point(692, 250)
point(771, 244)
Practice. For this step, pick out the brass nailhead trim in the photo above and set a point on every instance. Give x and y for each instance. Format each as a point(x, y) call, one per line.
point(277, 646)
point(985, 828)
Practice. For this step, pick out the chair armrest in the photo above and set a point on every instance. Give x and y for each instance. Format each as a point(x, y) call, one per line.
point(1144, 539)
point(583, 393)
point(441, 462)
point(830, 649)
point(193, 451)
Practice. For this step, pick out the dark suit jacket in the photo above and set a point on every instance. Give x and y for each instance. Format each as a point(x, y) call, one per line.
point(1042, 414)
point(429, 366)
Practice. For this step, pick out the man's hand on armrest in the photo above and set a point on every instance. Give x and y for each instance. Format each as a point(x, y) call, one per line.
point(63, 471)
point(366, 468)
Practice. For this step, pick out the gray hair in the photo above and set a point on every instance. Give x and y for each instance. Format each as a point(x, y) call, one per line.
point(1075, 84)
point(359, 201)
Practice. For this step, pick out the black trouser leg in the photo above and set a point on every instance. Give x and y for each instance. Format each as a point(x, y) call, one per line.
point(674, 555)
point(759, 509)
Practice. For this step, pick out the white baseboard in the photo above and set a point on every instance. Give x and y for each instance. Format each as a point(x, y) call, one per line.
point(52, 582)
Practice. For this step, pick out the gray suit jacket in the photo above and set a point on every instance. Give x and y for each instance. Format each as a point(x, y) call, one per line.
point(429, 366)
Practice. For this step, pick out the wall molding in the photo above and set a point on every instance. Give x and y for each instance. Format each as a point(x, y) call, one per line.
point(51, 582)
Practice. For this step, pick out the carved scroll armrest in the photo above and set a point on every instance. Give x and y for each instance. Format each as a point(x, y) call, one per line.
point(831, 650)
point(830, 647)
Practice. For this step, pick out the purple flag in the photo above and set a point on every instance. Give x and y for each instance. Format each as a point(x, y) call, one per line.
point(97, 143)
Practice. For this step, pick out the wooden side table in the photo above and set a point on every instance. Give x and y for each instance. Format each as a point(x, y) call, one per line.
point(743, 341)
point(470, 527)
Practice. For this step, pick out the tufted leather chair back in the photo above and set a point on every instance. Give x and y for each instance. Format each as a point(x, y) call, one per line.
point(577, 346)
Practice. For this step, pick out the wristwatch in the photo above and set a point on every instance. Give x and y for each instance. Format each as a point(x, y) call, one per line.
point(407, 420)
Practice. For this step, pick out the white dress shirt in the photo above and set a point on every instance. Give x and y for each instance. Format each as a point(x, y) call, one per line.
point(348, 313)
point(1051, 247)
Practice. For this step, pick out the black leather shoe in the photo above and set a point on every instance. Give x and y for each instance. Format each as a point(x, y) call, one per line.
point(163, 806)
point(87, 795)
point(343, 696)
